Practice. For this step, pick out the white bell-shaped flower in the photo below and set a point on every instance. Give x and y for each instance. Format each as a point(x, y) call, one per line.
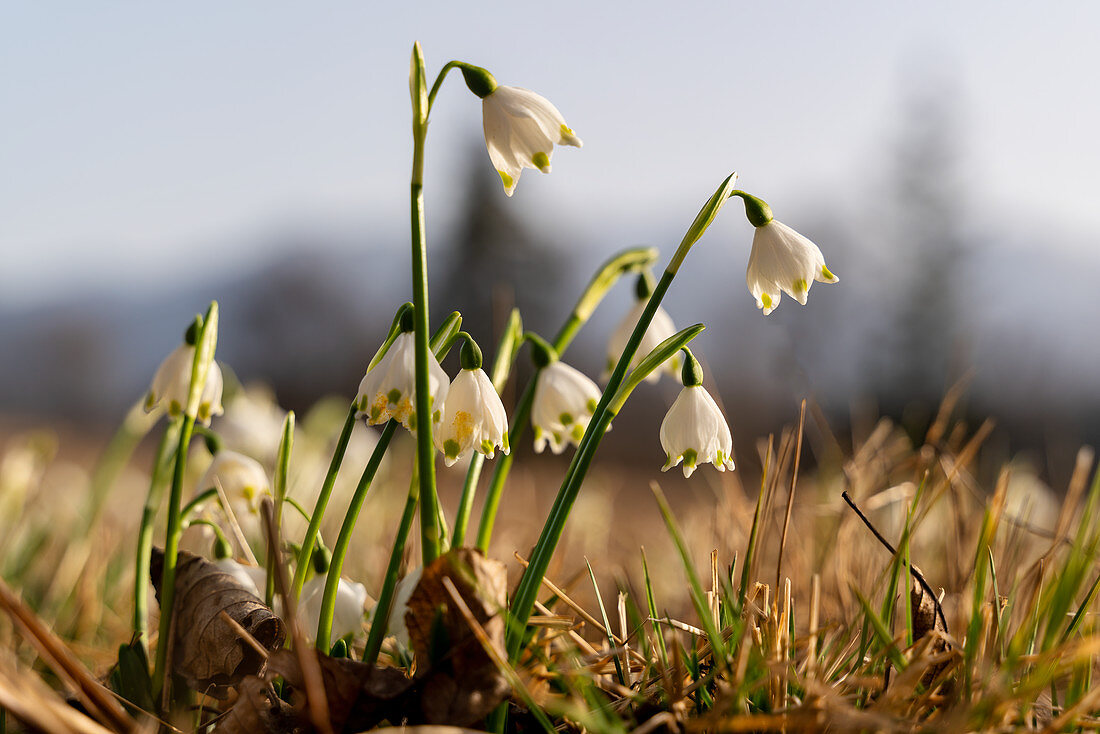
point(660, 328)
point(564, 403)
point(252, 578)
point(245, 484)
point(521, 129)
point(389, 390)
point(400, 606)
point(347, 615)
point(172, 383)
point(695, 432)
point(473, 418)
point(783, 261)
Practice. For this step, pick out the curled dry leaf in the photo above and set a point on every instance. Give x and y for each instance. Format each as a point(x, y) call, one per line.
point(928, 618)
point(458, 682)
point(207, 652)
point(359, 696)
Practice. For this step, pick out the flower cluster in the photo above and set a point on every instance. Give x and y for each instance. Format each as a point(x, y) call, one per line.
point(467, 415)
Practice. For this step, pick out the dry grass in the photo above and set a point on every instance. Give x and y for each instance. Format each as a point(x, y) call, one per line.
point(778, 610)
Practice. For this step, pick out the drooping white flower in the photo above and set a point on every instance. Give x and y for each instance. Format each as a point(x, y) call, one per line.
point(783, 261)
point(660, 328)
point(400, 606)
point(564, 403)
point(695, 431)
point(347, 614)
point(389, 390)
point(521, 128)
point(244, 482)
point(172, 383)
point(473, 418)
point(252, 578)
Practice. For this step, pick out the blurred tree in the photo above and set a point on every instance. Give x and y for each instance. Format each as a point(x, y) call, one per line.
point(928, 247)
point(494, 263)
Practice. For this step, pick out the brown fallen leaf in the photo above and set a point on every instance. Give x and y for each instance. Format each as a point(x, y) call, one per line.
point(207, 652)
point(258, 709)
point(928, 617)
point(358, 695)
point(458, 681)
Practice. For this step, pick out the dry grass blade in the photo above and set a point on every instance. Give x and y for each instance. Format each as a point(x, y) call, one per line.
point(567, 601)
point(92, 694)
point(307, 658)
point(38, 706)
point(493, 651)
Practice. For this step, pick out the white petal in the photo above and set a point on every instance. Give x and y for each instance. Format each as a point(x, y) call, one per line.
point(695, 424)
point(563, 404)
point(389, 390)
point(782, 260)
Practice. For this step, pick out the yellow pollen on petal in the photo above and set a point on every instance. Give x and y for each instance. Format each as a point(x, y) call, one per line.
point(463, 427)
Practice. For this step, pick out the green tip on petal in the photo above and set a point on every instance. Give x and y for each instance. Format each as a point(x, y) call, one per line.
point(487, 448)
point(592, 405)
point(375, 413)
point(565, 419)
point(541, 161)
point(507, 180)
point(826, 273)
point(394, 396)
point(577, 433)
point(800, 285)
point(412, 421)
point(766, 300)
point(451, 448)
point(691, 456)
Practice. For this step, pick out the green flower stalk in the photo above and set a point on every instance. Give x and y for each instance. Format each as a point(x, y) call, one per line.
point(145, 530)
point(623, 263)
point(440, 343)
point(205, 345)
point(425, 452)
point(524, 599)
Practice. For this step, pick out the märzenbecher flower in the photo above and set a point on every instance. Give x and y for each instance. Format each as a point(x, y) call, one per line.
point(564, 402)
point(660, 328)
point(782, 260)
point(521, 129)
point(694, 430)
point(389, 390)
point(172, 383)
point(473, 418)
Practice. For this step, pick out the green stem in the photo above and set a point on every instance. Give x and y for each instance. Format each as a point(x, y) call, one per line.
point(197, 500)
point(425, 450)
point(524, 599)
point(282, 468)
point(389, 585)
point(205, 346)
point(466, 504)
point(145, 532)
point(627, 261)
point(171, 552)
point(210, 524)
point(340, 550)
point(134, 428)
point(302, 567)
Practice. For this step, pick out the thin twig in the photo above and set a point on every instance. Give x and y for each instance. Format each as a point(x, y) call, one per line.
point(916, 574)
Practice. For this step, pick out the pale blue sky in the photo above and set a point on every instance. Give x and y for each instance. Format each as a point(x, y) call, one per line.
point(141, 138)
